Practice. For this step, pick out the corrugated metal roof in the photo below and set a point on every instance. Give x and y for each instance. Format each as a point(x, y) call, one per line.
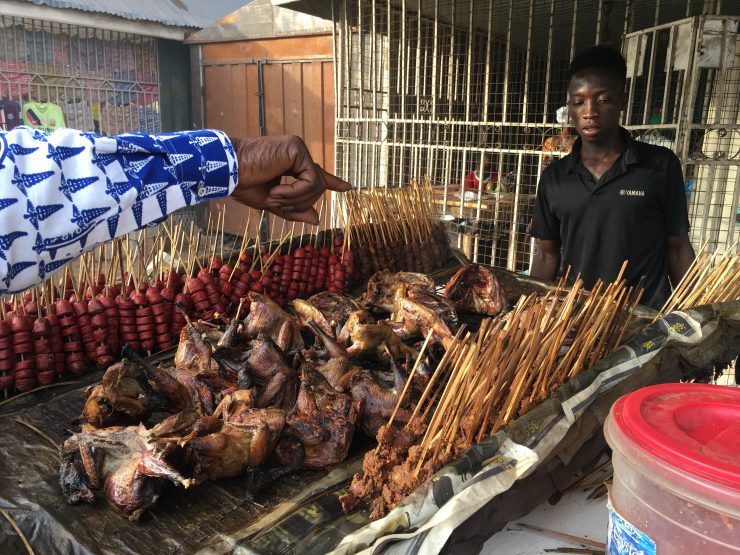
point(179, 13)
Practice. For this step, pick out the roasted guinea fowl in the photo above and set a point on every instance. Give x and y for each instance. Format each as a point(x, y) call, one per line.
point(336, 308)
point(432, 300)
point(123, 397)
point(337, 365)
point(477, 289)
point(364, 337)
point(224, 449)
point(224, 444)
point(413, 319)
point(266, 317)
point(123, 461)
point(378, 397)
point(191, 389)
point(382, 287)
point(276, 380)
point(323, 419)
point(357, 318)
point(132, 389)
point(307, 313)
point(193, 352)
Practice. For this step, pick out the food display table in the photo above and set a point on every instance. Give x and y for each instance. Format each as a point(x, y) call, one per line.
point(530, 459)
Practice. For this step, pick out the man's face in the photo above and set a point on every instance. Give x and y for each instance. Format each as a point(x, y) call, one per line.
point(595, 99)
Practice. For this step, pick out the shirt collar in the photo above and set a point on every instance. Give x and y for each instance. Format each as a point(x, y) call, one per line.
point(629, 156)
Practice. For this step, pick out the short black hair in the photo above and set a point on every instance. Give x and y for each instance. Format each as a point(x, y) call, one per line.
point(602, 57)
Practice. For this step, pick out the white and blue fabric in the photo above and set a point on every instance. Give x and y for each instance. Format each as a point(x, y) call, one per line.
point(64, 192)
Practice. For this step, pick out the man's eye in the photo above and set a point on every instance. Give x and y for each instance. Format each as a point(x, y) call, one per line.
point(603, 100)
point(576, 102)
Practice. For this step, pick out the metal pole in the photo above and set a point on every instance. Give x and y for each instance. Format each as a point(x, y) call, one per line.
point(651, 67)
point(548, 70)
point(599, 21)
point(507, 64)
point(670, 54)
point(261, 97)
point(404, 84)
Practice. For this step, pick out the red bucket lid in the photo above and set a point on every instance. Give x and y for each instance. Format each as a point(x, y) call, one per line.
point(695, 428)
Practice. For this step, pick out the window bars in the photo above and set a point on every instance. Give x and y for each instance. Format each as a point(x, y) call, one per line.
point(98, 80)
point(465, 92)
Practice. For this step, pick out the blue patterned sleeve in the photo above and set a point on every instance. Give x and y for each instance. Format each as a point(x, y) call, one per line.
point(65, 192)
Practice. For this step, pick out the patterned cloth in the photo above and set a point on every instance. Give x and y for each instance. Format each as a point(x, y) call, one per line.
point(64, 192)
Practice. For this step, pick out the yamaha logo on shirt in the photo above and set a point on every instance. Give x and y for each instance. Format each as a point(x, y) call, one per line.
point(631, 193)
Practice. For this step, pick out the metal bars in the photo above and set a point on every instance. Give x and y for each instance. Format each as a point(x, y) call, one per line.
point(468, 89)
point(684, 88)
point(99, 80)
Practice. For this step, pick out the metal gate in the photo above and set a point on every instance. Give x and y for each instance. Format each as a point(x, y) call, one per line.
point(438, 89)
point(92, 79)
point(684, 93)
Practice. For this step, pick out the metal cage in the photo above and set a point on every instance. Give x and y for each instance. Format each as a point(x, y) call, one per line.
point(466, 91)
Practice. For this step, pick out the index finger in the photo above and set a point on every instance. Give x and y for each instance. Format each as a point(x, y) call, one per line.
point(335, 183)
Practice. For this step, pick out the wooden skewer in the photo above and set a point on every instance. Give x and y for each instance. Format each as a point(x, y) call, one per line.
point(131, 273)
point(563, 536)
point(18, 531)
point(437, 371)
point(410, 378)
point(243, 246)
point(318, 225)
point(274, 253)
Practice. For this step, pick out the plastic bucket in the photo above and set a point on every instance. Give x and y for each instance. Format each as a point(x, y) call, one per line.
point(676, 458)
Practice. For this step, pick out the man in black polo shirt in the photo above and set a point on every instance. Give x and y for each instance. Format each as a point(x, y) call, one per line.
point(612, 198)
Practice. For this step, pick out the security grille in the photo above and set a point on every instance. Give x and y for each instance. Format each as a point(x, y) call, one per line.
point(459, 90)
point(684, 93)
point(62, 75)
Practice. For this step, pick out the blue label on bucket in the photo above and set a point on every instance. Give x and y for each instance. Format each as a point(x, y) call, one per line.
point(624, 539)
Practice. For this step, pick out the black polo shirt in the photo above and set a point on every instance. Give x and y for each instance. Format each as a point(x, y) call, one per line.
point(625, 215)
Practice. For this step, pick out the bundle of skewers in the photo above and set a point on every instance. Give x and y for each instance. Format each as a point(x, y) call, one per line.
point(486, 380)
point(81, 321)
point(711, 278)
point(395, 229)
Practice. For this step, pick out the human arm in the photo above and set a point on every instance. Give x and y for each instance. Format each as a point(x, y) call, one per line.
point(679, 252)
point(64, 192)
point(680, 255)
point(545, 228)
point(264, 161)
point(546, 260)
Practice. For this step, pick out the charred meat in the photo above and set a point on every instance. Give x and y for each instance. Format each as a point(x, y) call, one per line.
point(275, 379)
point(123, 462)
point(382, 287)
point(323, 420)
point(266, 317)
point(477, 289)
